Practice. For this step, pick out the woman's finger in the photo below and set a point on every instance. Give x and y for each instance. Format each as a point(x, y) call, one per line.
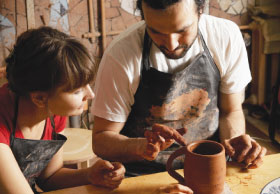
point(175, 188)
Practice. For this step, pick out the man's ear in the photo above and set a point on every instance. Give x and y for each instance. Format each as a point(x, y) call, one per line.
point(39, 99)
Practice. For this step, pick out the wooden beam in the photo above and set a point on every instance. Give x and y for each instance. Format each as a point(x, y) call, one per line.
point(91, 20)
point(97, 34)
point(30, 14)
point(245, 27)
point(258, 67)
point(103, 25)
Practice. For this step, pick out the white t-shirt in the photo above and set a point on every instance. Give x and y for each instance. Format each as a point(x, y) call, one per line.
point(119, 71)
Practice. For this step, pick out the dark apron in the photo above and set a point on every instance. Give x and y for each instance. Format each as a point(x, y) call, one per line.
point(187, 98)
point(34, 155)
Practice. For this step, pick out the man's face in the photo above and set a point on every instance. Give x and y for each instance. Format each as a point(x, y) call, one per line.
point(174, 29)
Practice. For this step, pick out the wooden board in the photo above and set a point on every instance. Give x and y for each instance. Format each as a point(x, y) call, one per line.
point(240, 181)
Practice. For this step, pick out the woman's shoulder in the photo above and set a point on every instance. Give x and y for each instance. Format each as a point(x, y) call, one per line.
point(4, 133)
point(6, 114)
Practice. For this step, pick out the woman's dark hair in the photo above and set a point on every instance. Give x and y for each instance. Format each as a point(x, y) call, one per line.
point(163, 4)
point(44, 59)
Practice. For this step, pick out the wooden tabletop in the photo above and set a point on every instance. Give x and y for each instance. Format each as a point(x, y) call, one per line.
point(240, 181)
point(78, 147)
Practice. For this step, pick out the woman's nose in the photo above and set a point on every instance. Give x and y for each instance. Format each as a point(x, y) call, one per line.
point(88, 92)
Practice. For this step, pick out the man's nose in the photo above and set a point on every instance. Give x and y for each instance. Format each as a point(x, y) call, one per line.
point(171, 42)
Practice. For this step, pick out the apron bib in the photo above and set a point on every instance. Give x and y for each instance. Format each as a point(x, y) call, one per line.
point(187, 98)
point(34, 155)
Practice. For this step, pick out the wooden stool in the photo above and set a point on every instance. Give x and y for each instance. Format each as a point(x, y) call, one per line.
point(78, 147)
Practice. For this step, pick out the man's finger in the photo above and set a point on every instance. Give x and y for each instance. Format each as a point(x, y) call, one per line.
point(179, 138)
point(163, 130)
point(182, 131)
point(258, 161)
point(245, 142)
point(149, 136)
point(240, 156)
point(151, 151)
point(253, 153)
point(169, 132)
point(229, 149)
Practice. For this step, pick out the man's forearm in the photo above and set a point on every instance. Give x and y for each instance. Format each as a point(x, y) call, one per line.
point(116, 147)
point(231, 124)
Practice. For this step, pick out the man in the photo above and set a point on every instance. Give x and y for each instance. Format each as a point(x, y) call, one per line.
point(180, 68)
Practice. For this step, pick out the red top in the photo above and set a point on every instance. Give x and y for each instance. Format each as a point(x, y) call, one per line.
point(7, 114)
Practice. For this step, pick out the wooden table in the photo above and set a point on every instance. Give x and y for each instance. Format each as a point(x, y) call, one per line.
point(78, 147)
point(240, 182)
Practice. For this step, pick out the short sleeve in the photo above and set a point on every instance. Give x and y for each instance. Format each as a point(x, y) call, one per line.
point(60, 123)
point(118, 75)
point(237, 73)
point(3, 138)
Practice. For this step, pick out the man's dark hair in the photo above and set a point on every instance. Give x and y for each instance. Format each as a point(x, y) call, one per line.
point(163, 4)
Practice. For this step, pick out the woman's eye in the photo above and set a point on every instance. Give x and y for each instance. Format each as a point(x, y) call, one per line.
point(77, 91)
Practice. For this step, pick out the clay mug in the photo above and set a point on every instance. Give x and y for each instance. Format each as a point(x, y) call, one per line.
point(204, 166)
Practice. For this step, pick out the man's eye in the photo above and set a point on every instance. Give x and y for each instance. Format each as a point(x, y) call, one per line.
point(154, 32)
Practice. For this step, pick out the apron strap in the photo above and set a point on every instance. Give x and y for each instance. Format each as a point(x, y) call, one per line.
point(54, 134)
point(145, 65)
point(205, 47)
point(14, 124)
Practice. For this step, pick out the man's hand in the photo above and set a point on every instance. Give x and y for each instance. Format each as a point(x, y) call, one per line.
point(246, 150)
point(106, 174)
point(175, 188)
point(160, 138)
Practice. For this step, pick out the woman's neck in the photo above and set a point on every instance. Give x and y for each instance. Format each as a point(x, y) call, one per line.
point(30, 119)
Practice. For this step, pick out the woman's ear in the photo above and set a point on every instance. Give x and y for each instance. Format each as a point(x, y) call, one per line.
point(40, 99)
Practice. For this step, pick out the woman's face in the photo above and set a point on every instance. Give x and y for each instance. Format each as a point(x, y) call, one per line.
point(69, 103)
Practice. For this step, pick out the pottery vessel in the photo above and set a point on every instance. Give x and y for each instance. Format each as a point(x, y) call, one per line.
point(204, 166)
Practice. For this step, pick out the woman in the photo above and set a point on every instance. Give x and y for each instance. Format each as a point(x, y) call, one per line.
point(48, 75)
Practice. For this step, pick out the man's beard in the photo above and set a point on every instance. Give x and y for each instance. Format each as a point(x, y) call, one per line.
point(173, 54)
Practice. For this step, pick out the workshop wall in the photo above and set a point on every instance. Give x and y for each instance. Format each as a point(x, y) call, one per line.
point(72, 17)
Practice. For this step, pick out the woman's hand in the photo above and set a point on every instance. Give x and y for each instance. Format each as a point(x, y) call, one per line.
point(175, 189)
point(106, 174)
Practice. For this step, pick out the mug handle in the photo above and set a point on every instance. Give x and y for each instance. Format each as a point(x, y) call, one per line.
point(171, 171)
